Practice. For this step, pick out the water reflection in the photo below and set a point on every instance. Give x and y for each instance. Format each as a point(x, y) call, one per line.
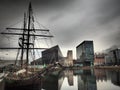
point(53, 81)
point(69, 75)
point(87, 81)
point(105, 75)
point(107, 79)
point(115, 78)
point(97, 79)
point(100, 74)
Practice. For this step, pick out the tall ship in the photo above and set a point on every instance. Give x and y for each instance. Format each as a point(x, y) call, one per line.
point(22, 75)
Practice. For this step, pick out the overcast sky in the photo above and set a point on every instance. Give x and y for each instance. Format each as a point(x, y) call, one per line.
point(70, 21)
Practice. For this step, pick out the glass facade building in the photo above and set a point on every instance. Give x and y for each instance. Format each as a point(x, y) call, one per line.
point(85, 53)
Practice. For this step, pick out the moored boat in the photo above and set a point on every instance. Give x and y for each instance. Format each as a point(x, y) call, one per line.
point(24, 76)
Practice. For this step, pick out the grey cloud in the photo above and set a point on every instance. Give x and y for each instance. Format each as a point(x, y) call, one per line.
point(95, 21)
point(71, 21)
point(113, 39)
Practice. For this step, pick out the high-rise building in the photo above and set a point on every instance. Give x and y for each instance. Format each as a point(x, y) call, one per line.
point(85, 53)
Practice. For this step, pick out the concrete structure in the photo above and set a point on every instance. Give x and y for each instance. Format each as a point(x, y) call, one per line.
point(69, 59)
point(85, 53)
point(99, 59)
point(52, 55)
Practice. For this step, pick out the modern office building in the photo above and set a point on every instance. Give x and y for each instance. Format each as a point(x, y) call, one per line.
point(113, 57)
point(52, 55)
point(85, 53)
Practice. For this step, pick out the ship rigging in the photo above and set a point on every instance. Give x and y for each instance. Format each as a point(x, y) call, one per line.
point(27, 38)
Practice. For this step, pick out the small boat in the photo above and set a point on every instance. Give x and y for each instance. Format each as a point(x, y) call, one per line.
point(1, 76)
point(23, 76)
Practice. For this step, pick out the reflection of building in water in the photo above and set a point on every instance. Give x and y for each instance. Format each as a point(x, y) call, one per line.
point(81, 85)
point(87, 81)
point(115, 78)
point(53, 81)
point(104, 75)
point(69, 75)
point(108, 75)
point(100, 74)
point(78, 72)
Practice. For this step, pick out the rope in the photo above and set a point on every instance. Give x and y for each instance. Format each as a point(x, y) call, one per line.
point(38, 53)
point(39, 22)
point(41, 25)
point(3, 29)
point(17, 56)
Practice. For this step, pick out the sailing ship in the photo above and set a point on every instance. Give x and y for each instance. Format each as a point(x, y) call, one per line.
point(23, 76)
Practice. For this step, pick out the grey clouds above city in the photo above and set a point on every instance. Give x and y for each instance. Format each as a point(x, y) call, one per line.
point(70, 21)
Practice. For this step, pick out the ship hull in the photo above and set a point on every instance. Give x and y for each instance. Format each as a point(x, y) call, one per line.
point(28, 84)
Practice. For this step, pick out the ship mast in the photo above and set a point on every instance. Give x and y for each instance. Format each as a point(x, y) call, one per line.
point(23, 39)
point(28, 36)
point(28, 33)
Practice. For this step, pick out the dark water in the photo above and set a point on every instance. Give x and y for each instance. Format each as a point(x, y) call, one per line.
point(98, 79)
